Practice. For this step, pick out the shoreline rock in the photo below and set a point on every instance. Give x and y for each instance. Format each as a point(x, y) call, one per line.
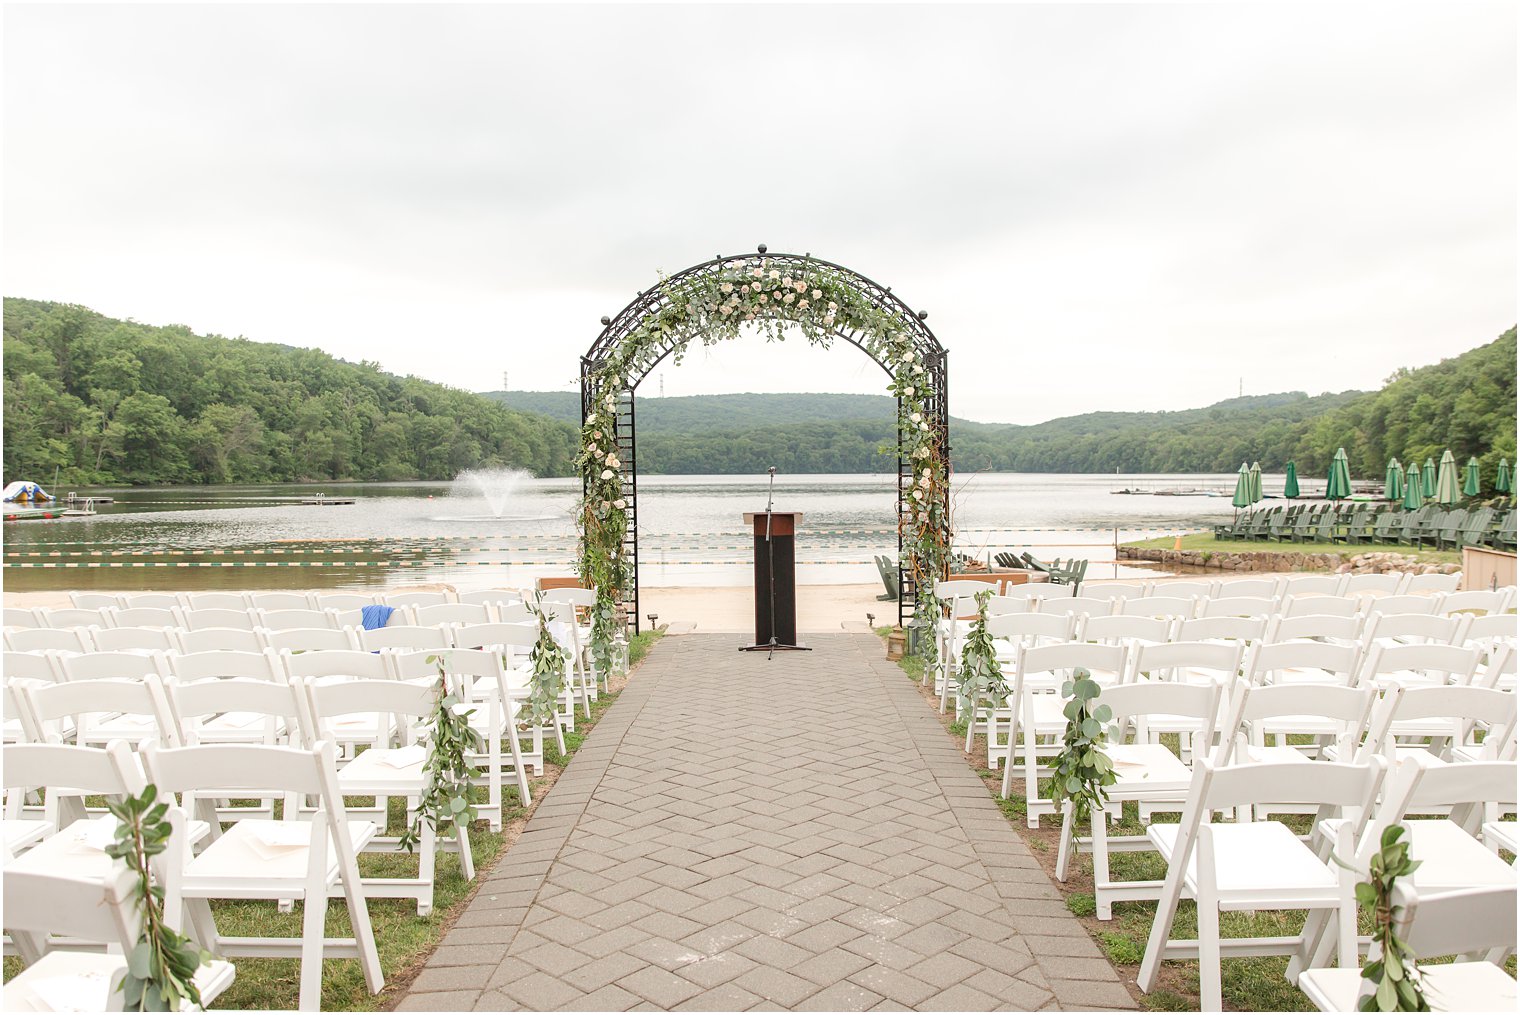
point(1287, 560)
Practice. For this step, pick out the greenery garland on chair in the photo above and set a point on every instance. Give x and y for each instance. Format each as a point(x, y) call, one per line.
point(446, 794)
point(548, 659)
point(1082, 770)
point(823, 302)
point(980, 677)
point(161, 966)
point(1394, 978)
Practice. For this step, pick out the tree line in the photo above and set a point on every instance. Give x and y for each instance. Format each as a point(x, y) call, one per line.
point(108, 401)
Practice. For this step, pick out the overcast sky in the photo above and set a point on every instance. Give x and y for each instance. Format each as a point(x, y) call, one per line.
point(1101, 207)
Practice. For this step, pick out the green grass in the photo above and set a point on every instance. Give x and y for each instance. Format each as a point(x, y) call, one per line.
point(1205, 541)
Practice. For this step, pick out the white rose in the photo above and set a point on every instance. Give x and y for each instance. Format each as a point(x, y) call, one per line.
point(802, 304)
point(908, 357)
point(764, 298)
point(613, 463)
point(828, 319)
point(724, 310)
point(757, 273)
point(607, 473)
point(817, 294)
point(590, 420)
point(917, 417)
point(926, 473)
point(908, 390)
point(923, 426)
point(755, 286)
point(788, 298)
point(833, 306)
point(775, 275)
point(620, 503)
point(917, 369)
point(917, 495)
point(726, 287)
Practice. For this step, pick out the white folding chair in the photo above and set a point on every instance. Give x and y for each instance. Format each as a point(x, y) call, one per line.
point(1437, 923)
point(1393, 629)
point(42, 666)
point(1077, 606)
point(1238, 606)
point(261, 859)
point(1037, 706)
point(281, 601)
point(21, 618)
point(99, 710)
point(1439, 720)
point(135, 639)
point(452, 614)
point(144, 616)
point(74, 640)
point(94, 600)
point(1433, 584)
point(349, 732)
point(1389, 584)
point(513, 613)
point(1333, 715)
point(400, 600)
point(1251, 588)
point(1016, 599)
point(337, 601)
point(206, 619)
point(1116, 590)
point(1159, 606)
point(1245, 630)
point(1183, 589)
point(1317, 627)
point(1127, 630)
point(1499, 671)
point(65, 619)
point(491, 597)
point(1255, 865)
point(405, 638)
point(220, 639)
point(1320, 606)
point(512, 644)
point(957, 609)
point(1419, 665)
point(150, 601)
point(310, 639)
point(384, 771)
point(215, 601)
point(1145, 771)
point(1398, 605)
point(1303, 662)
point(66, 837)
point(575, 639)
point(1008, 632)
point(291, 620)
point(1497, 601)
point(1312, 585)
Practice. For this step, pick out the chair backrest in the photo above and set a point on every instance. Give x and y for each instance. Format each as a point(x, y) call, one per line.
point(405, 637)
point(265, 700)
point(274, 601)
point(1320, 606)
point(1240, 606)
point(1159, 606)
point(1419, 605)
point(329, 698)
point(249, 768)
point(399, 599)
point(135, 639)
point(342, 600)
point(1133, 701)
point(491, 597)
point(1317, 627)
point(1122, 630)
point(215, 601)
point(1388, 584)
point(1392, 628)
point(1455, 664)
point(513, 613)
point(584, 598)
point(1297, 662)
point(150, 601)
point(1252, 588)
point(1247, 629)
point(1190, 662)
point(1253, 704)
point(1079, 605)
point(311, 639)
point(1496, 601)
point(1427, 584)
point(201, 620)
point(999, 606)
point(41, 666)
point(49, 704)
point(506, 636)
point(64, 619)
point(1312, 585)
point(94, 600)
point(1033, 628)
point(360, 665)
point(960, 588)
point(1500, 669)
point(1423, 784)
point(222, 665)
point(111, 666)
point(1331, 785)
point(452, 613)
point(1457, 921)
point(1183, 589)
point(1022, 590)
point(464, 667)
point(145, 616)
point(75, 639)
point(1055, 661)
point(287, 620)
point(1464, 705)
point(90, 771)
point(1116, 590)
point(220, 639)
point(99, 911)
point(16, 616)
point(1490, 627)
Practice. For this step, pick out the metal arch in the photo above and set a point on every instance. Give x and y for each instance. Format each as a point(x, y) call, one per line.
point(649, 301)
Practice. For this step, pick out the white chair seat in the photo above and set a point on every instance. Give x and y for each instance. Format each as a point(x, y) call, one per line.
point(1271, 755)
point(384, 772)
point(258, 859)
point(1450, 858)
point(1466, 986)
point(238, 727)
point(79, 849)
point(21, 833)
point(1147, 769)
point(81, 981)
point(1256, 863)
point(1304, 675)
point(130, 728)
point(1502, 834)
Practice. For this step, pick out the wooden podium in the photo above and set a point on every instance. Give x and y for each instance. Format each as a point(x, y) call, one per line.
point(775, 580)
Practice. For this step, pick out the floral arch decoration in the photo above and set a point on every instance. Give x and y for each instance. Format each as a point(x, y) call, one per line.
point(715, 301)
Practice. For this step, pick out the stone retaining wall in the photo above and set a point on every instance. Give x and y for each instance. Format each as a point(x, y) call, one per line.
point(1287, 560)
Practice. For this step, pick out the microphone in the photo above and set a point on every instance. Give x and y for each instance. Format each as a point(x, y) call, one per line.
point(771, 470)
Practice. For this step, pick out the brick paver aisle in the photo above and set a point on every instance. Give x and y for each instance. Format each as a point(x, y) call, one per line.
point(796, 833)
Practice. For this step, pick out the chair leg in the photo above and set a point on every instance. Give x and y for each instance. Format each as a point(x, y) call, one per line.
point(1210, 973)
point(466, 858)
point(515, 742)
point(427, 867)
point(1068, 839)
point(1105, 904)
point(1013, 725)
point(314, 924)
point(1031, 776)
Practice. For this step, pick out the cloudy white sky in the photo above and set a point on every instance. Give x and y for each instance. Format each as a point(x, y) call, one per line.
point(1101, 207)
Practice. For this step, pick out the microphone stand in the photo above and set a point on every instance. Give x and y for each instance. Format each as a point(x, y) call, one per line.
point(770, 558)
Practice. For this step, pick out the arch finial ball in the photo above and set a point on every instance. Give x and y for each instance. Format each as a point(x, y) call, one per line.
point(923, 315)
point(606, 321)
point(761, 248)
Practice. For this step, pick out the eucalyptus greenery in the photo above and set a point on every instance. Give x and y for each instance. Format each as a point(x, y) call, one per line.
point(549, 659)
point(979, 678)
point(1394, 978)
point(161, 966)
point(1083, 768)
point(822, 301)
point(446, 792)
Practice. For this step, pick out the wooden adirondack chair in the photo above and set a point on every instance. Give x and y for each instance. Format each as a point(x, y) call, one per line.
point(1281, 526)
point(1307, 523)
point(888, 577)
point(1363, 525)
point(1449, 528)
point(1413, 520)
point(1429, 527)
point(1072, 574)
point(1261, 523)
point(1388, 525)
point(1475, 527)
point(1504, 537)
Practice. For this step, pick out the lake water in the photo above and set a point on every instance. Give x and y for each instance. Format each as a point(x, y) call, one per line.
point(691, 534)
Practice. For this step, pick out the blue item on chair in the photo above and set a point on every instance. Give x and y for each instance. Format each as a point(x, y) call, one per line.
point(374, 617)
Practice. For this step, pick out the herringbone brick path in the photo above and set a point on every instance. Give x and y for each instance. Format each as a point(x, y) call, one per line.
point(744, 833)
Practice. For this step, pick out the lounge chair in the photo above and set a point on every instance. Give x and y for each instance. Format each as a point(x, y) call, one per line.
point(1475, 527)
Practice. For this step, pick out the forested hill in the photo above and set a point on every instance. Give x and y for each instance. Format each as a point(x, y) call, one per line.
point(108, 401)
point(1466, 403)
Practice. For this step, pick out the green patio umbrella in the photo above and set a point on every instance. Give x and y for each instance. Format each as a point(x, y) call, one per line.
point(1448, 488)
point(1339, 484)
point(1414, 488)
point(1290, 482)
point(1255, 475)
point(1502, 481)
point(1471, 484)
point(1428, 477)
point(1393, 483)
point(1242, 487)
